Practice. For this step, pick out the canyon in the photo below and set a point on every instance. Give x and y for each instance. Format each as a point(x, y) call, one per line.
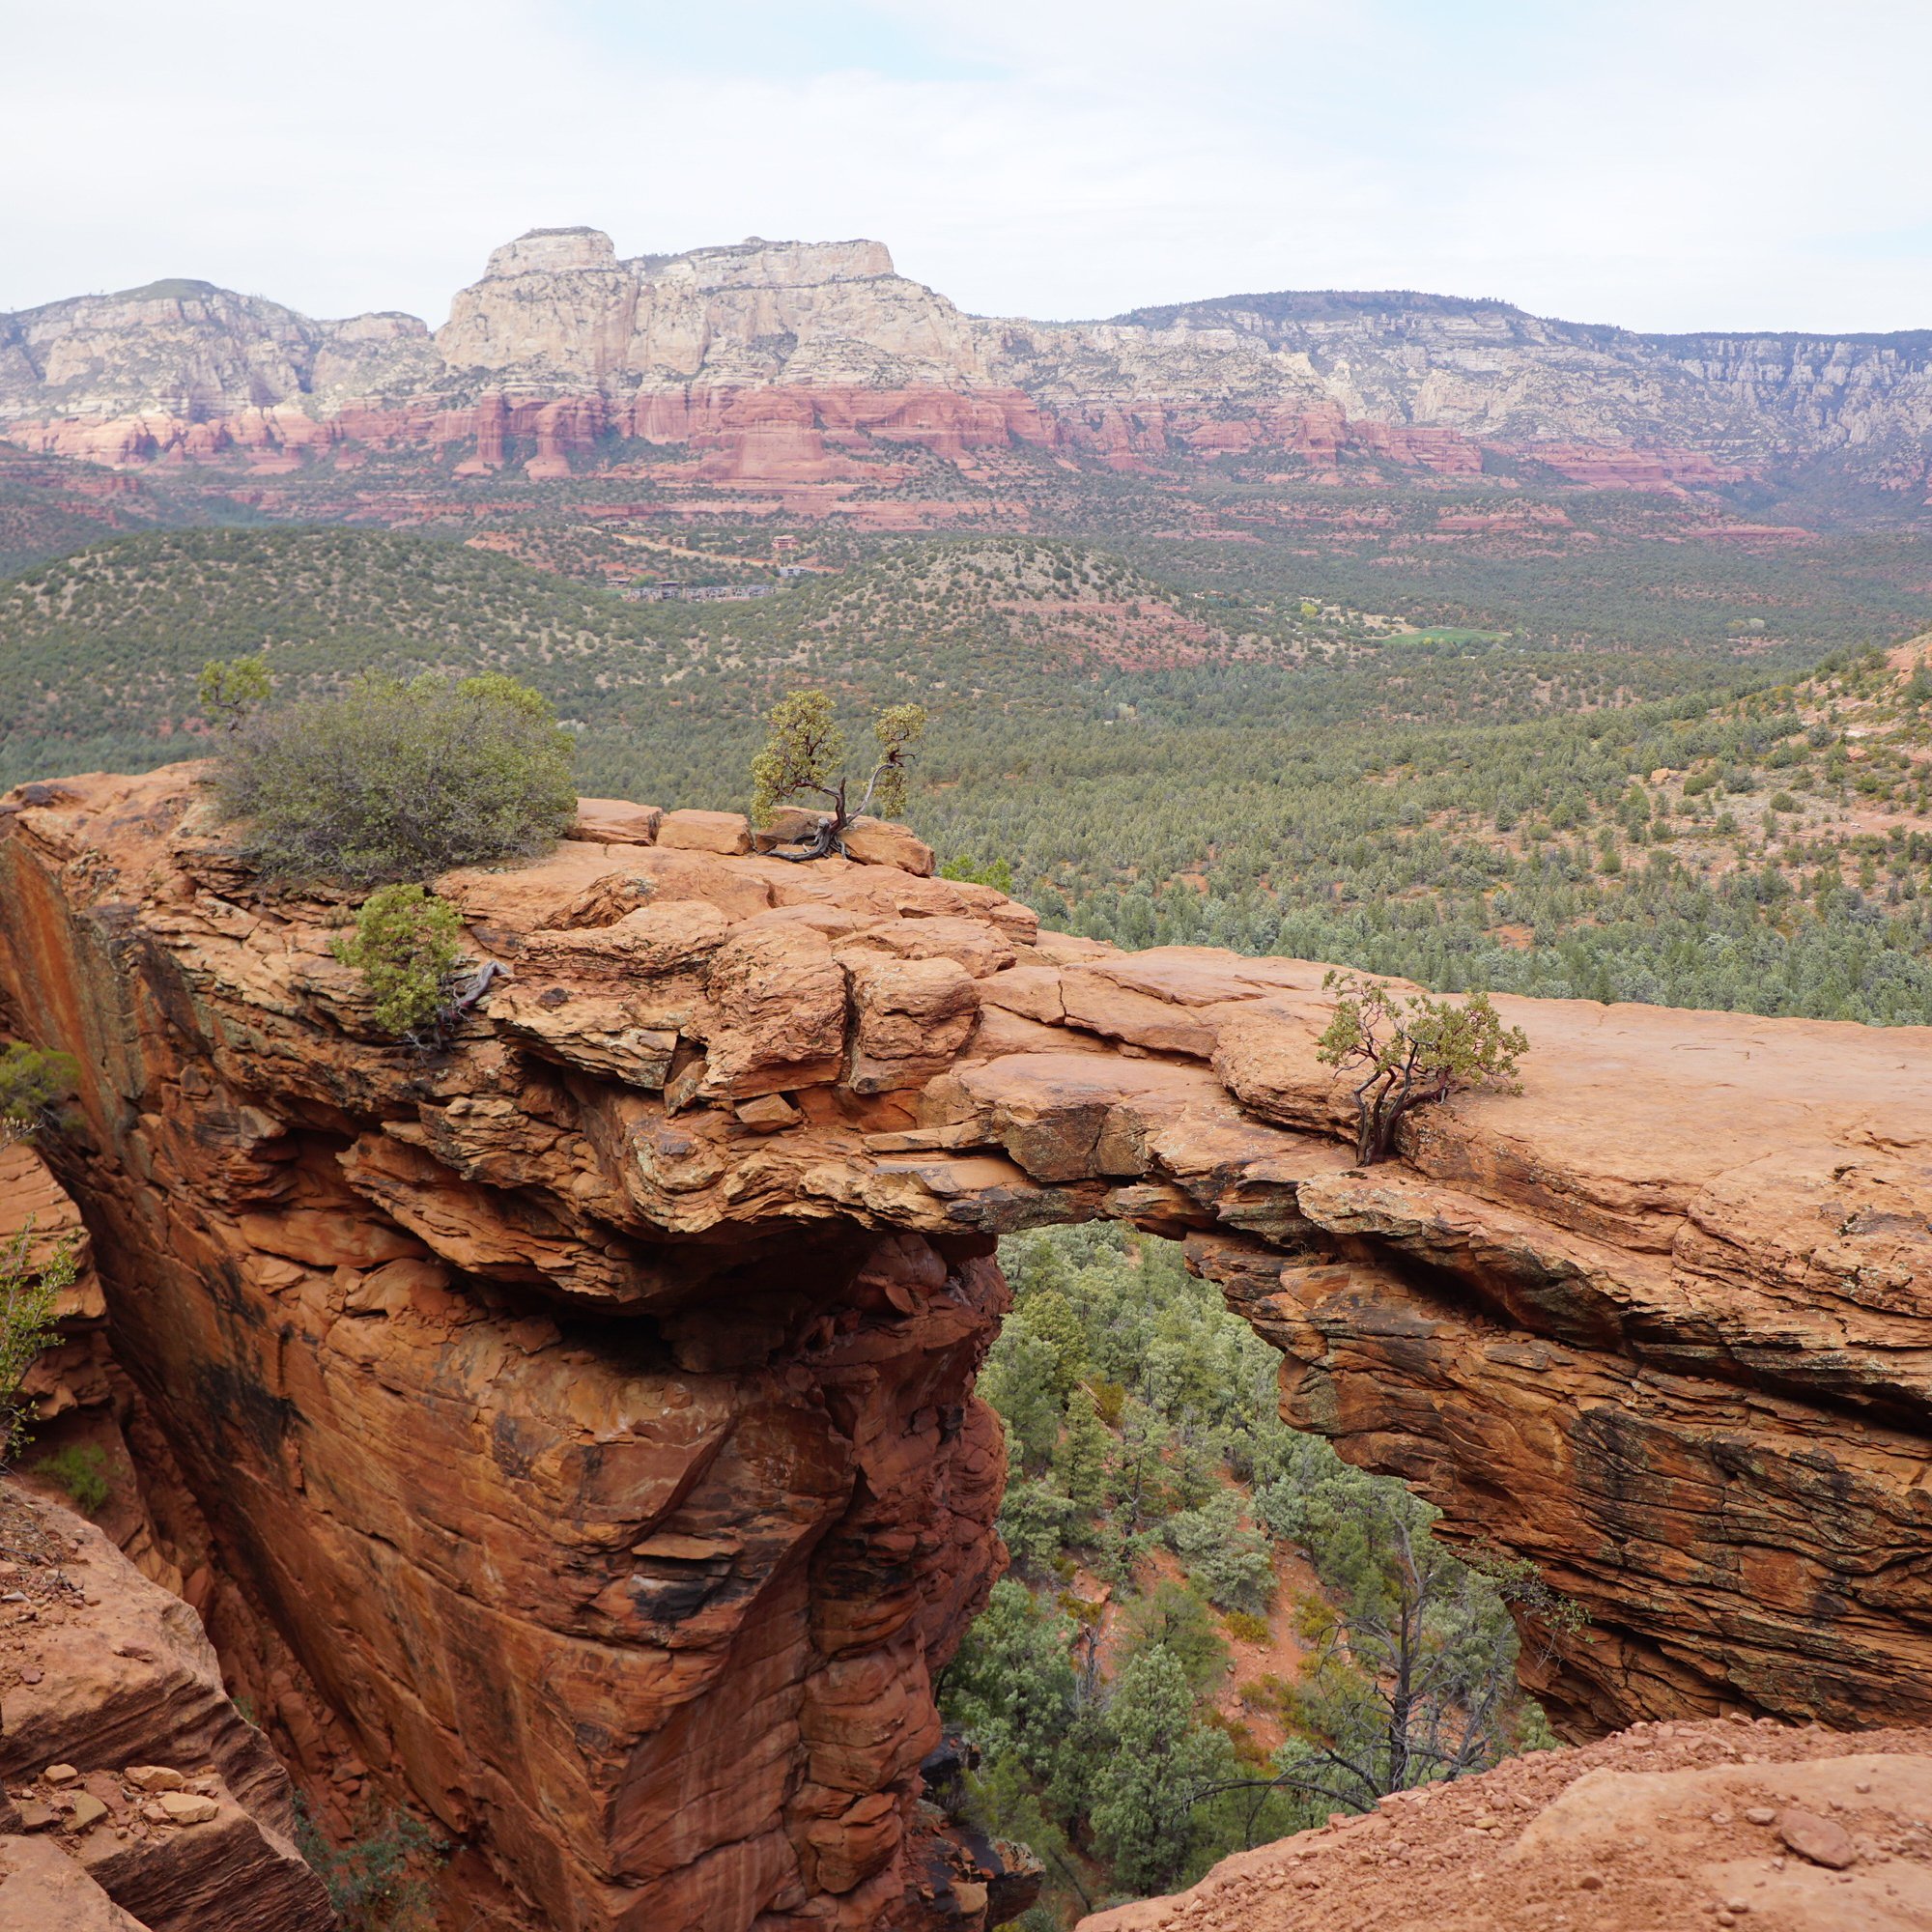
point(573, 1432)
point(814, 363)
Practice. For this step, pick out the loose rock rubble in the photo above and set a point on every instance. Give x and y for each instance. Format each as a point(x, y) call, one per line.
point(99, 1671)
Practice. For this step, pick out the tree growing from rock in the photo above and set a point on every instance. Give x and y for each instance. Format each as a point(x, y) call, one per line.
point(804, 757)
point(1411, 1052)
point(407, 945)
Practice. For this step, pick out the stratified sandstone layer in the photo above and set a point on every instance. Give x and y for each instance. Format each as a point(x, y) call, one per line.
point(781, 358)
point(1679, 1826)
point(132, 1793)
point(590, 1406)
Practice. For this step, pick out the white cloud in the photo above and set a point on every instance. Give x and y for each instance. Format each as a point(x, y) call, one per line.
point(1663, 165)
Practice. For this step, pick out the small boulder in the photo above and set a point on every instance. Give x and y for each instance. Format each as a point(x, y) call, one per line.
point(616, 821)
point(768, 1113)
point(34, 1816)
point(153, 1777)
point(187, 1808)
point(725, 833)
point(87, 1811)
point(1822, 1840)
point(59, 1773)
point(878, 842)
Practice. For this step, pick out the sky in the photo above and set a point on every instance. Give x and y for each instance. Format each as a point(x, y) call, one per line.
point(1665, 164)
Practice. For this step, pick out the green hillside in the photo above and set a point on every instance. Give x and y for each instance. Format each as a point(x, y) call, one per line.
point(1693, 825)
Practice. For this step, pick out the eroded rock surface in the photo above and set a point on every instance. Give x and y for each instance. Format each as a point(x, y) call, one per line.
point(137, 1793)
point(590, 1406)
point(1663, 1826)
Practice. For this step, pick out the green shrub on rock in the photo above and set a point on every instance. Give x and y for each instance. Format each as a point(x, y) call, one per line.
point(35, 1087)
point(407, 945)
point(395, 781)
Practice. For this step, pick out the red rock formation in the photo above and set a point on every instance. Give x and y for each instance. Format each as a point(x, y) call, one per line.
point(101, 1671)
point(590, 1407)
point(1680, 1825)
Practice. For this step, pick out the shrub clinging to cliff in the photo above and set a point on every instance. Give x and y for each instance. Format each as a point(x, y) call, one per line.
point(407, 945)
point(1411, 1052)
point(34, 1087)
point(30, 1290)
point(394, 781)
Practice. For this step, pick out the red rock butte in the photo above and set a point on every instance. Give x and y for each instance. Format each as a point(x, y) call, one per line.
point(589, 1409)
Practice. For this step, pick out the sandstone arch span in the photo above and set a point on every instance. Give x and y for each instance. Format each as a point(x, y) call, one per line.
point(591, 1410)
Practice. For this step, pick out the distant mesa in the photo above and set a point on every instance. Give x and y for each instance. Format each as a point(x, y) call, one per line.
point(552, 251)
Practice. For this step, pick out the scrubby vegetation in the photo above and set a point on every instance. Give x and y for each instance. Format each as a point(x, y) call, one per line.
point(382, 1881)
point(30, 1285)
point(408, 947)
point(1214, 1632)
point(35, 1088)
point(398, 782)
point(81, 1468)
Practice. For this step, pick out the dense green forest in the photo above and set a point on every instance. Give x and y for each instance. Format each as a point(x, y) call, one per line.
point(1700, 824)
point(1196, 1647)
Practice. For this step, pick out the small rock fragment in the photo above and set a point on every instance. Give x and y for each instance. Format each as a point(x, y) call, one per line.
point(59, 1773)
point(187, 1808)
point(35, 1816)
point(1760, 1814)
point(1822, 1840)
point(88, 1811)
point(153, 1777)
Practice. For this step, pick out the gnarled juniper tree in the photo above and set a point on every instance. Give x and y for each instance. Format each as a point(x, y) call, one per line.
point(1411, 1052)
point(805, 757)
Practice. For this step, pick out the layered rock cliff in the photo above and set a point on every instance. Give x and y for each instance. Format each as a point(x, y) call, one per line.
point(590, 1407)
point(659, 347)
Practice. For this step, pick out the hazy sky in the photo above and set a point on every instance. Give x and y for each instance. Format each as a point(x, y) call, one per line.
point(1660, 164)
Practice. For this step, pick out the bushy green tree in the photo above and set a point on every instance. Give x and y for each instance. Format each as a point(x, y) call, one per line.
point(1165, 1761)
point(1230, 1565)
point(1411, 1052)
point(1021, 1379)
point(232, 690)
point(407, 945)
point(1012, 1685)
point(1171, 1616)
point(1080, 1458)
point(34, 1087)
point(394, 782)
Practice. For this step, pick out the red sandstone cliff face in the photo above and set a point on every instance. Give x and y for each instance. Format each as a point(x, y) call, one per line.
point(590, 1407)
point(562, 341)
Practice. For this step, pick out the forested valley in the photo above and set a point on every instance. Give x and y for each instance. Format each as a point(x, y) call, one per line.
point(1729, 817)
point(1199, 1645)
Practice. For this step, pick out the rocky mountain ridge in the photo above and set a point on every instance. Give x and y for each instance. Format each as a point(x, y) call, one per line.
point(776, 350)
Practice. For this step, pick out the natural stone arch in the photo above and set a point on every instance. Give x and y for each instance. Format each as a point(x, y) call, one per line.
point(590, 1407)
